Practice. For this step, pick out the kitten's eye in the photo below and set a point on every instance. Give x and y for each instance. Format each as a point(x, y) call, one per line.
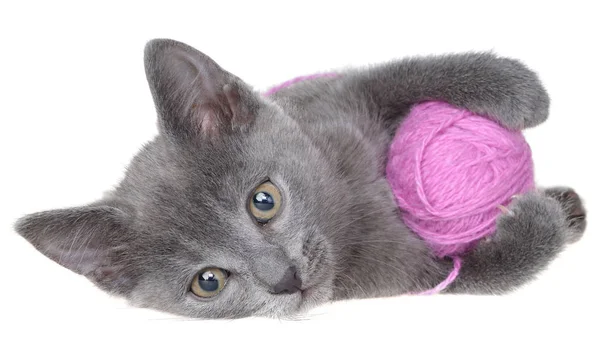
point(209, 282)
point(265, 202)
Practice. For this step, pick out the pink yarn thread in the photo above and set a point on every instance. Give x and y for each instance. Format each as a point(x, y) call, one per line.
point(449, 170)
point(451, 277)
point(293, 81)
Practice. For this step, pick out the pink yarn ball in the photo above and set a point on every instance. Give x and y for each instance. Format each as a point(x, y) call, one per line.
point(450, 169)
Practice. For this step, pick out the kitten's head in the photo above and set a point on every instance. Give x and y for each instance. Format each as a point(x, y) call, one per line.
point(229, 212)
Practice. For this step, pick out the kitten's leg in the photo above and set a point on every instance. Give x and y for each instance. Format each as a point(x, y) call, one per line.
point(534, 230)
point(500, 88)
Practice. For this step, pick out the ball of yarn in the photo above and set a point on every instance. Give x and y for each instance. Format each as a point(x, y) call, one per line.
point(450, 169)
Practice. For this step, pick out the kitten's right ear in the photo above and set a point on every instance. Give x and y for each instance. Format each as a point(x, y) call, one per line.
point(194, 97)
point(93, 241)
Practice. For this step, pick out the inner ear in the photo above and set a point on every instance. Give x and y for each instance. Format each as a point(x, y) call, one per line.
point(92, 241)
point(194, 96)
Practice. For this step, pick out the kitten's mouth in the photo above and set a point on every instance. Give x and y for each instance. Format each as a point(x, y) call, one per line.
point(307, 292)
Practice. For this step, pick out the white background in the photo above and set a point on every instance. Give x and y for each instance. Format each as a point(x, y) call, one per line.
point(75, 107)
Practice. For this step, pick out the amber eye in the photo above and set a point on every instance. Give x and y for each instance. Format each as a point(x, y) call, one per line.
point(209, 282)
point(265, 202)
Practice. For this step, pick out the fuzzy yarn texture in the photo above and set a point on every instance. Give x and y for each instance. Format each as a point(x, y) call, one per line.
point(450, 170)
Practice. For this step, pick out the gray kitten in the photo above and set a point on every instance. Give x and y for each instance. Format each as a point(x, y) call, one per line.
point(245, 205)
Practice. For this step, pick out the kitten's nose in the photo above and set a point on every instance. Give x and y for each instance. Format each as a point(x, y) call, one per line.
point(289, 284)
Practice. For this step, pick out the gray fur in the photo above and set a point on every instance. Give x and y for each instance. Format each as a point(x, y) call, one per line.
point(182, 204)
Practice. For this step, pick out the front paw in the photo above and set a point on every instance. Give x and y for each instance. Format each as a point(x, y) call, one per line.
point(509, 93)
point(534, 225)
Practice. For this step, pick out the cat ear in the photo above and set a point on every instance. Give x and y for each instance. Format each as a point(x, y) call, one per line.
point(194, 96)
point(91, 241)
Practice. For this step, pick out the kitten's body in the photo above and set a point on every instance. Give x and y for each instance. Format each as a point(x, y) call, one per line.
point(182, 205)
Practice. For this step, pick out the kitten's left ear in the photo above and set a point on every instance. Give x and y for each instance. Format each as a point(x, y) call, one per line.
point(92, 241)
point(194, 97)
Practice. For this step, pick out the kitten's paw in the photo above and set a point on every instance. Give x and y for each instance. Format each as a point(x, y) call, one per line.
point(572, 206)
point(514, 97)
point(533, 222)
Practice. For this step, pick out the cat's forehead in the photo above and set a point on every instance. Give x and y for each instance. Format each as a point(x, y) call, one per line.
point(273, 145)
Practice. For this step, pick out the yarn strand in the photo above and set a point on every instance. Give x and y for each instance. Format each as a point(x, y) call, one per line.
point(448, 281)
